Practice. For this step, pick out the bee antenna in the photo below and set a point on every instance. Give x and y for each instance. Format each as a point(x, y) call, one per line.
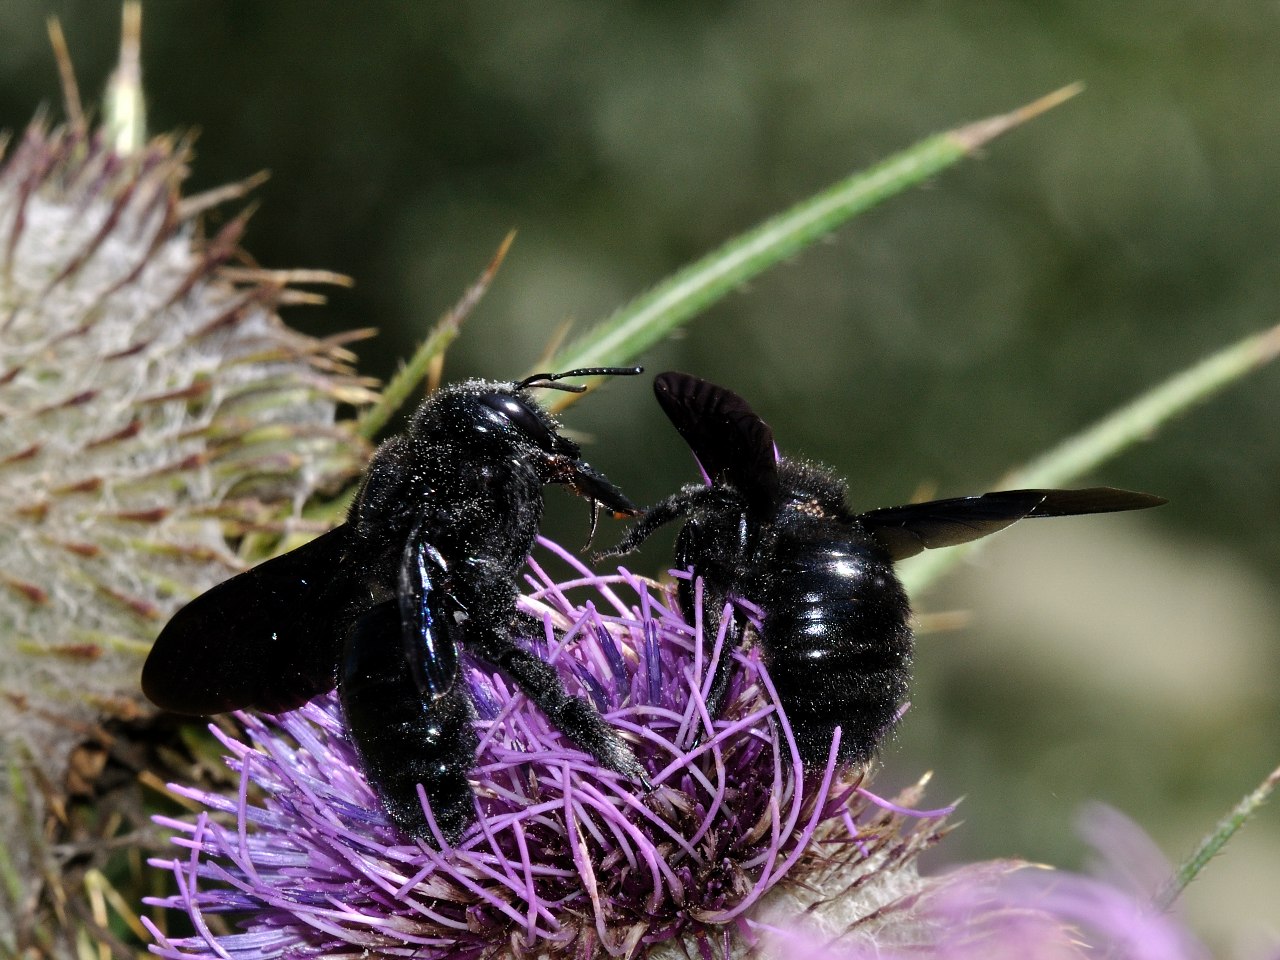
point(548, 380)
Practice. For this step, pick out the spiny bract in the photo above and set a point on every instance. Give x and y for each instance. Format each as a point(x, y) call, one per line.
point(151, 404)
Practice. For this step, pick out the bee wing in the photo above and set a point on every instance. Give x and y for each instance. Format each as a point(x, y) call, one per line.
point(404, 736)
point(430, 623)
point(907, 530)
point(729, 439)
point(268, 638)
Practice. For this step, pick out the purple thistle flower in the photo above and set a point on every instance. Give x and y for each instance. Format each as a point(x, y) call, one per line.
point(1010, 910)
point(566, 859)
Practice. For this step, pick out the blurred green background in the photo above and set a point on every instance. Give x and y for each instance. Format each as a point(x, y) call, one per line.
point(949, 334)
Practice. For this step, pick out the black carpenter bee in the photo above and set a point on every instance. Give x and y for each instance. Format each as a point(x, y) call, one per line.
point(834, 629)
point(424, 566)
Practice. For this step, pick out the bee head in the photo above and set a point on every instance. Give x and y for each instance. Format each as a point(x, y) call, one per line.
point(504, 419)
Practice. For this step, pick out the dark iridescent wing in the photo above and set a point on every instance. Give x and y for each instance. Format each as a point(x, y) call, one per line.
point(428, 625)
point(729, 439)
point(907, 530)
point(406, 737)
point(269, 638)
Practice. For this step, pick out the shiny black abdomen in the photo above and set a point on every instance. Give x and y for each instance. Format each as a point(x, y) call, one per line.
point(835, 636)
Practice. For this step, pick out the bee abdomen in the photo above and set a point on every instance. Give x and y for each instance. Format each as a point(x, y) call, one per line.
point(837, 643)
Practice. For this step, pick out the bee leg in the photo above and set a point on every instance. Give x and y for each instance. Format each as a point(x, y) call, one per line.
point(575, 717)
point(661, 513)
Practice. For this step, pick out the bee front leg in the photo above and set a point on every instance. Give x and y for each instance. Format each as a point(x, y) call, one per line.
point(661, 513)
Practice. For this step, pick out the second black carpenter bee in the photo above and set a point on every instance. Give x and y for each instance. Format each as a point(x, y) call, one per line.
point(424, 566)
point(834, 628)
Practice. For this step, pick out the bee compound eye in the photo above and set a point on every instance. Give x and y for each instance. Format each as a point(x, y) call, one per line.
point(524, 419)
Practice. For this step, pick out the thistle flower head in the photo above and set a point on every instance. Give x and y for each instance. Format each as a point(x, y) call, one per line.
point(1007, 910)
point(566, 859)
point(152, 404)
point(736, 852)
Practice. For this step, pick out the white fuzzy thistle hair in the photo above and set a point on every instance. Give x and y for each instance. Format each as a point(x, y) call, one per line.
point(152, 404)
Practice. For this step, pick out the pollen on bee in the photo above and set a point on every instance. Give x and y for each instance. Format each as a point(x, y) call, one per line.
point(810, 508)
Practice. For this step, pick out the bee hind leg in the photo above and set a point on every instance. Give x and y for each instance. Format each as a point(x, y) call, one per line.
point(575, 717)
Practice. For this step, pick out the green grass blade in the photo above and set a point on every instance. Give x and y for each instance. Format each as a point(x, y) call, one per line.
point(406, 380)
point(1216, 840)
point(637, 325)
point(1138, 420)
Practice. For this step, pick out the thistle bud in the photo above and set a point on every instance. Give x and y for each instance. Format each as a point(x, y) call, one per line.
point(152, 406)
